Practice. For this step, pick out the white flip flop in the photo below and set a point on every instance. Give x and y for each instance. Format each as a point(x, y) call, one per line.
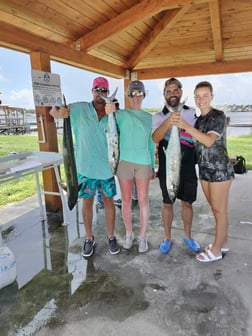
point(208, 256)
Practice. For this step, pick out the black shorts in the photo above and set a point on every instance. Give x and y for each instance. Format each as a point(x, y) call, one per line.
point(187, 190)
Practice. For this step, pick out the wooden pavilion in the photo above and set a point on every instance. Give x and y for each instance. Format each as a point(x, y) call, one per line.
point(129, 39)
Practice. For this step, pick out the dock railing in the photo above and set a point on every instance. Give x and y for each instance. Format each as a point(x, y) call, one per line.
point(12, 120)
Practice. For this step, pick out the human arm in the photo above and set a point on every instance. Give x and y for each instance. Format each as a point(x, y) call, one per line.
point(207, 139)
point(159, 132)
point(152, 148)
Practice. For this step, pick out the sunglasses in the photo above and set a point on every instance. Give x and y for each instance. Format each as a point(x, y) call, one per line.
point(103, 90)
point(135, 94)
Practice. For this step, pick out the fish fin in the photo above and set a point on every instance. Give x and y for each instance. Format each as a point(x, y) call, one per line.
point(109, 99)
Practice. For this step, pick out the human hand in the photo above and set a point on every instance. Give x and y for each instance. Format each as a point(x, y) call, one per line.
point(59, 112)
point(153, 176)
point(178, 121)
point(171, 118)
point(110, 107)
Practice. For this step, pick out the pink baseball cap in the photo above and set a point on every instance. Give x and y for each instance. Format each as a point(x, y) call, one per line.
point(101, 81)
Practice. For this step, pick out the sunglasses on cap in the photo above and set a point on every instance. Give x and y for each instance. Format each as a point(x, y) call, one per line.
point(135, 94)
point(103, 90)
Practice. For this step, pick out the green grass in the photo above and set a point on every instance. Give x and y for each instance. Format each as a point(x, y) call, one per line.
point(241, 145)
point(25, 187)
point(18, 143)
point(19, 189)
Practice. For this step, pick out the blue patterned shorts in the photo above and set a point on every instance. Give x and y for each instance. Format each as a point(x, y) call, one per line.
point(90, 186)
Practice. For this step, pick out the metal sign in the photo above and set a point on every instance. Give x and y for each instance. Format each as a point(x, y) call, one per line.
point(46, 88)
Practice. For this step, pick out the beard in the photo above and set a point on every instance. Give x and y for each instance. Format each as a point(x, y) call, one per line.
point(99, 100)
point(173, 101)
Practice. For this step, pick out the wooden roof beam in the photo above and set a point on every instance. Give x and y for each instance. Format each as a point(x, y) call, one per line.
point(142, 10)
point(196, 70)
point(168, 21)
point(216, 29)
point(28, 42)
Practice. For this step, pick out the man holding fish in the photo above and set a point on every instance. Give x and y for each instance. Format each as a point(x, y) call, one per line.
point(89, 124)
point(182, 161)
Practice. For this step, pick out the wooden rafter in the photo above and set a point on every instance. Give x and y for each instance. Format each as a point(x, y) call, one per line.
point(139, 12)
point(216, 29)
point(169, 20)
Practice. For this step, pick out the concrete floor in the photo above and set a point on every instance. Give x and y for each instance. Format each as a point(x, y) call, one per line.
point(57, 292)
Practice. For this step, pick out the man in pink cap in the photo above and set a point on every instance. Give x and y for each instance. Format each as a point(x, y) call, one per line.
point(89, 122)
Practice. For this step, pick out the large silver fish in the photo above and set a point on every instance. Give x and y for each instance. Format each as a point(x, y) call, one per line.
point(112, 137)
point(173, 158)
point(71, 187)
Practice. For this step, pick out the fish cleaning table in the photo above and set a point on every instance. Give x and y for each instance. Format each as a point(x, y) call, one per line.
point(19, 165)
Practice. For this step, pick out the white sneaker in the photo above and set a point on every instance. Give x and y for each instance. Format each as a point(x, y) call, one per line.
point(127, 244)
point(143, 245)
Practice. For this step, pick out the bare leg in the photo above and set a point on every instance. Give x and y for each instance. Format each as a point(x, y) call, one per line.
point(126, 192)
point(109, 207)
point(144, 206)
point(167, 217)
point(87, 214)
point(187, 216)
point(217, 193)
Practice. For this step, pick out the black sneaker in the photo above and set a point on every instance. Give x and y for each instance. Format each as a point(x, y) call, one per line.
point(113, 246)
point(99, 205)
point(118, 203)
point(88, 247)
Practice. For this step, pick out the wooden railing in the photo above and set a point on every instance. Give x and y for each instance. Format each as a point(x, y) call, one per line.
point(12, 120)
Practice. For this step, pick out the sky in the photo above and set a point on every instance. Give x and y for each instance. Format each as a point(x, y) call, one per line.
point(16, 84)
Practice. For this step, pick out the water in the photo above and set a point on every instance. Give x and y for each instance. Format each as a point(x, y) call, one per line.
point(239, 118)
point(236, 118)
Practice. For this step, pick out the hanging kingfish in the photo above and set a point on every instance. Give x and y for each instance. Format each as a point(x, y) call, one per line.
point(173, 158)
point(72, 187)
point(112, 136)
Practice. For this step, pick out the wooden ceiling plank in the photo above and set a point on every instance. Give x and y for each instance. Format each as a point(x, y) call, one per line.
point(36, 20)
point(168, 21)
point(73, 15)
point(15, 22)
point(214, 7)
point(177, 60)
point(236, 6)
point(139, 12)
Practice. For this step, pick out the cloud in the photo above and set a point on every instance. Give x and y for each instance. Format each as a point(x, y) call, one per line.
point(2, 78)
point(22, 98)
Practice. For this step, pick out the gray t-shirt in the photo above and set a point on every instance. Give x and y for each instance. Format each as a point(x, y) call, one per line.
point(214, 163)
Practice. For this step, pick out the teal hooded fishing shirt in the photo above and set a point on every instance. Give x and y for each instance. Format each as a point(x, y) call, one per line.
point(91, 152)
point(136, 145)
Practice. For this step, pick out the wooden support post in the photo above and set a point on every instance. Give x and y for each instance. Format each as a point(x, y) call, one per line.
point(41, 61)
point(126, 100)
